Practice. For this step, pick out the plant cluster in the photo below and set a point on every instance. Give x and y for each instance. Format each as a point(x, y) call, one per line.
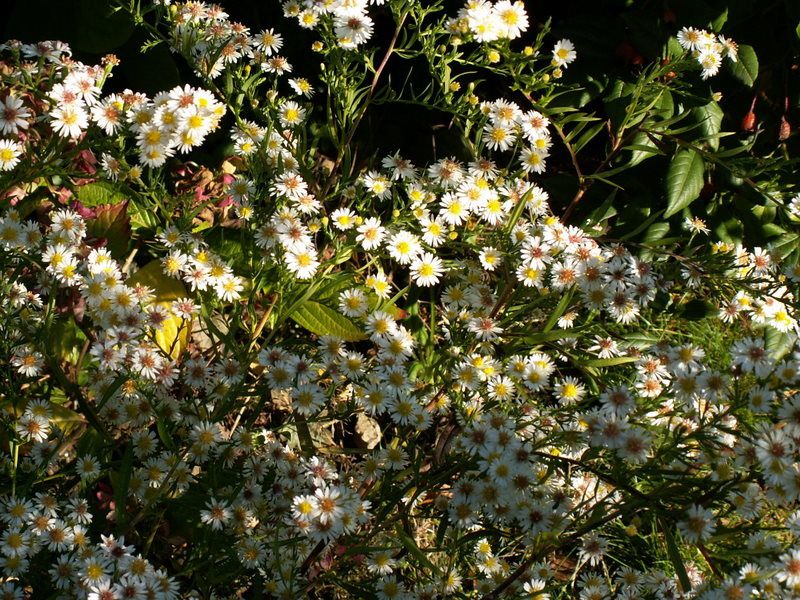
point(308, 369)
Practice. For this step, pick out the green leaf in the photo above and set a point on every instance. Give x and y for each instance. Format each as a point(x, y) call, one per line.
point(559, 310)
point(710, 119)
point(608, 362)
point(675, 557)
point(786, 245)
point(322, 320)
point(334, 284)
point(697, 309)
point(641, 147)
point(684, 180)
point(141, 217)
point(771, 230)
point(354, 591)
point(120, 482)
point(111, 223)
point(778, 343)
point(414, 550)
point(66, 339)
point(101, 192)
point(173, 336)
point(655, 232)
point(745, 69)
point(66, 418)
point(542, 337)
point(717, 24)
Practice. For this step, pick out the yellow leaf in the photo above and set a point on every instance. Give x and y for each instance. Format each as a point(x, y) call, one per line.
point(173, 337)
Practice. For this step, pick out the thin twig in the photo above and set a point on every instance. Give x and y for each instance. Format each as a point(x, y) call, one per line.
point(260, 327)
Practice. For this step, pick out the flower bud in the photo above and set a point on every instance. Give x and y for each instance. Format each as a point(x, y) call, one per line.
point(785, 130)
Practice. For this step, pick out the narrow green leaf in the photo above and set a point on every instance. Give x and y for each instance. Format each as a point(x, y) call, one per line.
point(640, 228)
point(608, 362)
point(318, 318)
point(354, 591)
point(770, 230)
point(333, 285)
point(641, 147)
point(551, 336)
point(717, 24)
point(786, 245)
point(414, 550)
point(120, 480)
point(745, 69)
point(560, 309)
point(675, 557)
point(587, 137)
point(684, 180)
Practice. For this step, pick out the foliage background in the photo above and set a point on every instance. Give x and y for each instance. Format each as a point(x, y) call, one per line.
point(615, 38)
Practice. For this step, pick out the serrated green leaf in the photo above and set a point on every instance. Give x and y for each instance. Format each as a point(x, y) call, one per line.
point(745, 69)
point(684, 180)
point(141, 217)
point(100, 192)
point(322, 320)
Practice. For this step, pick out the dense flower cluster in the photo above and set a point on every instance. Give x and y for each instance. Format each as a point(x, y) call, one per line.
point(405, 380)
point(487, 22)
point(215, 42)
point(707, 49)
